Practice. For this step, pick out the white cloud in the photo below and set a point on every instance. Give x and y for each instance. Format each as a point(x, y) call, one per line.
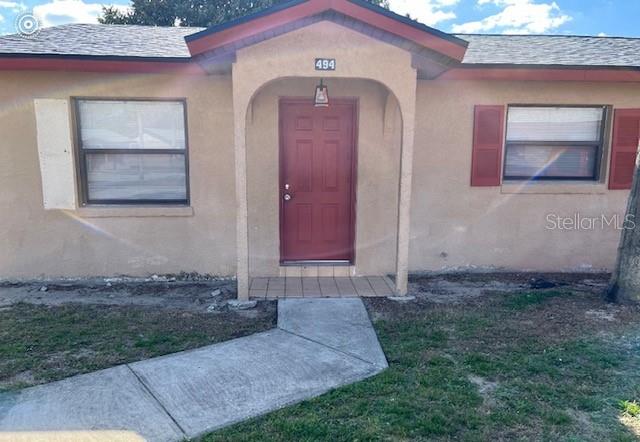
point(57, 12)
point(517, 17)
point(429, 12)
point(13, 6)
point(602, 34)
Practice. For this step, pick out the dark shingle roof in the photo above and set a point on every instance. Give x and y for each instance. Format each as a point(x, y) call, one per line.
point(168, 43)
point(552, 50)
point(102, 40)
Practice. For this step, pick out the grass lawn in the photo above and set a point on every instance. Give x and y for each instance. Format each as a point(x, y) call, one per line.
point(40, 343)
point(533, 365)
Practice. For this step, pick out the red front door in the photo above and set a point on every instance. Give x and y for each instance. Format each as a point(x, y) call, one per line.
point(317, 154)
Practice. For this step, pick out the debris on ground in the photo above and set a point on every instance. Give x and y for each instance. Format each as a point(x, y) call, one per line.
point(485, 388)
point(168, 292)
point(236, 304)
point(542, 283)
point(601, 314)
point(407, 298)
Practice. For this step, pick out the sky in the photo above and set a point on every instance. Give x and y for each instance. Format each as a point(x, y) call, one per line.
point(576, 17)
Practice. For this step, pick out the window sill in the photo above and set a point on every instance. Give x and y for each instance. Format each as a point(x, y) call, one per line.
point(134, 211)
point(554, 187)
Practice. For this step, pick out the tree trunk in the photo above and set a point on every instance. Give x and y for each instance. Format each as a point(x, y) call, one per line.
point(625, 281)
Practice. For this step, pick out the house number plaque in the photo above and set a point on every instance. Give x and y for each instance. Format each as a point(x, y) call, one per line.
point(325, 64)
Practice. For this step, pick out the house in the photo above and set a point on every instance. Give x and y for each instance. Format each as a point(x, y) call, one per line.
point(130, 150)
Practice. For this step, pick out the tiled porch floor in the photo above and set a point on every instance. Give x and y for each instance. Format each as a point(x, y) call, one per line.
point(320, 287)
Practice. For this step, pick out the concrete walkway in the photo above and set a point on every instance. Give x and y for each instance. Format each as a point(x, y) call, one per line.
point(320, 344)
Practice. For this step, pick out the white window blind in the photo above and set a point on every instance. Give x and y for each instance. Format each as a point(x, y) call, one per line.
point(133, 151)
point(553, 142)
point(132, 124)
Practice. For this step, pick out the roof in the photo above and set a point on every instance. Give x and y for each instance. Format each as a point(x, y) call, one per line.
point(149, 42)
point(435, 54)
point(94, 40)
point(551, 50)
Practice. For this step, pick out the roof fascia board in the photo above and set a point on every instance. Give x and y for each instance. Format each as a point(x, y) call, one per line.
point(89, 64)
point(545, 73)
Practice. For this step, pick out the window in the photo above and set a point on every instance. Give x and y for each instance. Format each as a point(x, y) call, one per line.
point(554, 142)
point(133, 152)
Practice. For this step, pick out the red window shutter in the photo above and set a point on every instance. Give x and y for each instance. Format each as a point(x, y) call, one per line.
point(624, 148)
point(486, 160)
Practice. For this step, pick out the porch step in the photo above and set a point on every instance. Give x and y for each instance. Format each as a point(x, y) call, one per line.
point(321, 287)
point(315, 271)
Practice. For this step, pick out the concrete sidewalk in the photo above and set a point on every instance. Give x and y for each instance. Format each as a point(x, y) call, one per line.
point(320, 344)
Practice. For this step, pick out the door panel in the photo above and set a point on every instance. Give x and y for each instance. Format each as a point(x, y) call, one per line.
point(317, 155)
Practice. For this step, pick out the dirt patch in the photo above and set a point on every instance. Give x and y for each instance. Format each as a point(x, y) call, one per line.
point(603, 315)
point(159, 292)
point(575, 304)
point(485, 388)
point(462, 287)
point(631, 423)
point(18, 380)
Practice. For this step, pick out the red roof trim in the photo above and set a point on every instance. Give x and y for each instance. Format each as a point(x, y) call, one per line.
point(192, 68)
point(388, 24)
point(542, 74)
point(313, 7)
point(116, 66)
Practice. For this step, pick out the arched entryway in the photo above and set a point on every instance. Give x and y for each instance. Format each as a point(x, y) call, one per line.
point(261, 66)
point(364, 112)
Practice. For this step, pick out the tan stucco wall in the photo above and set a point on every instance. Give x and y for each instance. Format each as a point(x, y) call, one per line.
point(452, 224)
point(458, 226)
point(35, 242)
point(378, 158)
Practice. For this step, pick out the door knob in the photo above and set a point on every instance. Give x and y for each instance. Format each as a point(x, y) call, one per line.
point(287, 197)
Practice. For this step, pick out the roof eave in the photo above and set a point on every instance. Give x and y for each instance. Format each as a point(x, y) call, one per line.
point(464, 65)
point(109, 64)
point(514, 72)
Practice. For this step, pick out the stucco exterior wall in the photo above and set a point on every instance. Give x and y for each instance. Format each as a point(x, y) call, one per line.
point(455, 226)
point(131, 241)
point(378, 160)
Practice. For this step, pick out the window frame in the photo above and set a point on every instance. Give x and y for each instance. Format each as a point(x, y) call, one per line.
point(81, 155)
point(600, 145)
